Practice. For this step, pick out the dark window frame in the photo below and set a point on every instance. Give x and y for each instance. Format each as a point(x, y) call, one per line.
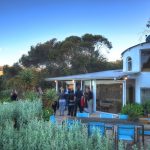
point(144, 88)
point(129, 63)
point(147, 63)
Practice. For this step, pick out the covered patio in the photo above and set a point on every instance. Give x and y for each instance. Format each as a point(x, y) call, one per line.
point(109, 88)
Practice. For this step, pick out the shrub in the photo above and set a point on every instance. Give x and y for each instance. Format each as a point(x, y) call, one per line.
point(134, 111)
point(46, 113)
point(146, 107)
point(50, 95)
point(5, 96)
point(27, 110)
point(6, 113)
point(35, 133)
point(30, 95)
point(42, 135)
point(21, 111)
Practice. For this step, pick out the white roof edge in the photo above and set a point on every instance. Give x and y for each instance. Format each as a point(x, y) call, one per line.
point(109, 74)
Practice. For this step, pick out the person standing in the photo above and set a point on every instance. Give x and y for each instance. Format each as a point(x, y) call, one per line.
point(78, 96)
point(89, 99)
point(39, 92)
point(54, 107)
point(71, 103)
point(66, 92)
point(14, 95)
point(62, 104)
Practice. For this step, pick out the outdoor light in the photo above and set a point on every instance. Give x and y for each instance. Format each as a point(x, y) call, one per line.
point(55, 81)
point(73, 81)
point(125, 78)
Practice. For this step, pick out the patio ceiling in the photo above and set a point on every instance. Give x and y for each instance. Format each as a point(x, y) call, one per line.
point(105, 75)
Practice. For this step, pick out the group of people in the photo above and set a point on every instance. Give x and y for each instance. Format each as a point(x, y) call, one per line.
point(72, 101)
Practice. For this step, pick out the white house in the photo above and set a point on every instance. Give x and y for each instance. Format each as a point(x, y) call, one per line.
point(114, 88)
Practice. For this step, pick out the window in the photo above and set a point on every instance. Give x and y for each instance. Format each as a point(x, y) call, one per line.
point(129, 63)
point(145, 94)
point(145, 60)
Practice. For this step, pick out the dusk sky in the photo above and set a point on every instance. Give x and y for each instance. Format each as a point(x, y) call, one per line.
point(27, 22)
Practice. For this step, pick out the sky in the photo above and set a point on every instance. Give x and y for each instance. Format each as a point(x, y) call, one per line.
point(24, 23)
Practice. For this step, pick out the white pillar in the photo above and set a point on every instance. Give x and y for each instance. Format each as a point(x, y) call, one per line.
point(56, 82)
point(74, 85)
point(94, 95)
point(90, 84)
point(81, 85)
point(124, 92)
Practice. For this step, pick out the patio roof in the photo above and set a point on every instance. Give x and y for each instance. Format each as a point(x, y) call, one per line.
point(106, 75)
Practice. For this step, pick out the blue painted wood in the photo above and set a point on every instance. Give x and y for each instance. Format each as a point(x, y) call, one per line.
point(126, 132)
point(106, 115)
point(83, 115)
point(94, 127)
point(124, 117)
point(147, 132)
point(52, 119)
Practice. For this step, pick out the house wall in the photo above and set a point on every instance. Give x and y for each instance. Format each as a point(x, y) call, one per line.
point(142, 79)
point(135, 54)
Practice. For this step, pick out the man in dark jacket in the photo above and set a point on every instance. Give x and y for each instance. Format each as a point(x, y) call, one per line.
point(78, 95)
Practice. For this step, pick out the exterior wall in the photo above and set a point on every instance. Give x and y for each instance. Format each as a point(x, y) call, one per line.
point(141, 79)
point(135, 54)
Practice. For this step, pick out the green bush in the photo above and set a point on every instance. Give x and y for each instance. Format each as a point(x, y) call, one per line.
point(46, 113)
point(35, 133)
point(146, 107)
point(40, 135)
point(21, 111)
point(134, 111)
point(30, 95)
point(6, 113)
point(50, 95)
point(5, 96)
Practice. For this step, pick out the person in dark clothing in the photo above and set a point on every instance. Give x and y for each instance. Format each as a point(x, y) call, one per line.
point(71, 103)
point(14, 95)
point(54, 107)
point(89, 99)
point(66, 92)
point(78, 95)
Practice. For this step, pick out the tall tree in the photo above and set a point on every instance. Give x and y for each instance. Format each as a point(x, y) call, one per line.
point(73, 55)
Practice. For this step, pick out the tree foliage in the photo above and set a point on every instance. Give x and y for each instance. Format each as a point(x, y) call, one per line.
point(148, 24)
point(73, 55)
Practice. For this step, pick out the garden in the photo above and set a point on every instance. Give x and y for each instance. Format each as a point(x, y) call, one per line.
point(24, 124)
point(23, 127)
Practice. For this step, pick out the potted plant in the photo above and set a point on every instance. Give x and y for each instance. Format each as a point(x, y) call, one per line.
point(134, 111)
point(146, 108)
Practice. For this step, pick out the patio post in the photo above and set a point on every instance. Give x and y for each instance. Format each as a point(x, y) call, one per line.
point(81, 85)
point(74, 85)
point(124, 92)
point(94, 95)
point(90, 84)
point(56, 82)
